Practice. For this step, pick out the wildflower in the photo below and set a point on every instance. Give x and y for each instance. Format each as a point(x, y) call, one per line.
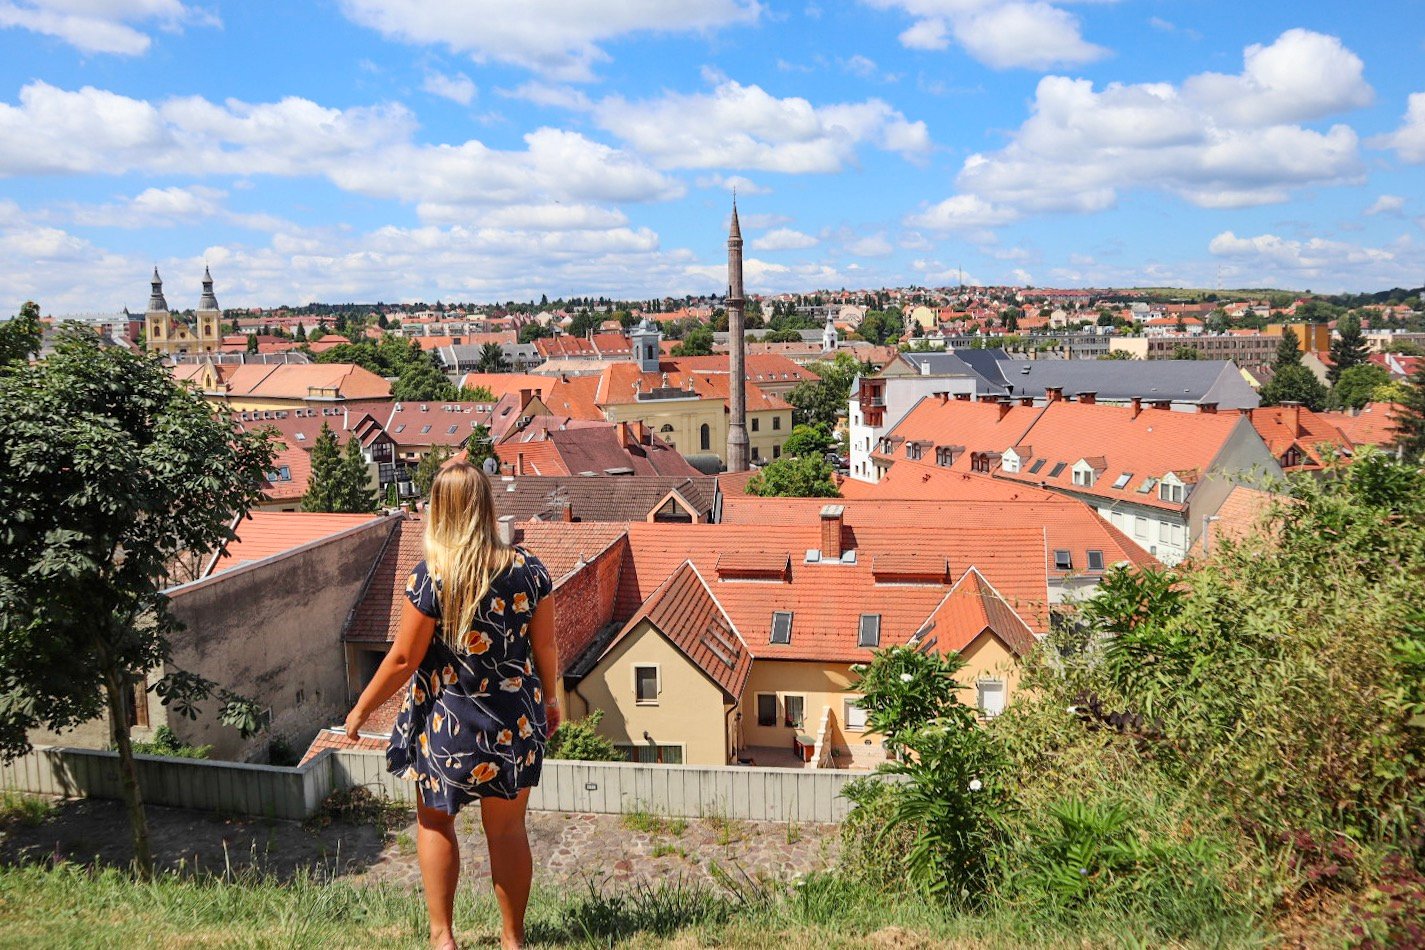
point(1083, 872)
point(976, 785)
point(1072, 710)
point(906, 677)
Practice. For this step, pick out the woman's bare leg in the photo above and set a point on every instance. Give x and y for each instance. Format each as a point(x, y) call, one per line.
point(511, 866)
point(439, 855)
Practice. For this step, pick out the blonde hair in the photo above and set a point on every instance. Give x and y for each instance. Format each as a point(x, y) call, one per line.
point(463, 550)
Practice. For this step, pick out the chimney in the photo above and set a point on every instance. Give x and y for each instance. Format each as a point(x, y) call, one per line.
point(519, 463)
point(962, 397)
point(1163, 404)
point(1089, 398)
point(1293, 409)
point(623, 442)
point(1053, 393)
point(506, 529)
point(831, 518)
point(566, 512)
point(1137, 405)
point(1004, 406)
point(1027, 401)
point(1209, 408)
point(525, 397)
point(943, 397)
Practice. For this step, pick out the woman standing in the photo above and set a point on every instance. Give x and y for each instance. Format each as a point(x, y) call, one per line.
point(475, 651)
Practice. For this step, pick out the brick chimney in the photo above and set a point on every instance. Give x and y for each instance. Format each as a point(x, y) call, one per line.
point(525, 396)
point(831, 520)
point(519, 463)
point(1136, 403)
point(1054, 393)
point(1293, 409)
point(1089, 398)
point(962, 397)
point(1209, 408)
point(623, 442)
point(1004, 406)
point(566, 512)
point(1026, 401)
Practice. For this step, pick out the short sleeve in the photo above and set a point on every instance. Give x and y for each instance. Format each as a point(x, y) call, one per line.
point(539, 576)
point(421, 592)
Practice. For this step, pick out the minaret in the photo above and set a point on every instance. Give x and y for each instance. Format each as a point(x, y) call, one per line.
point(737, 421)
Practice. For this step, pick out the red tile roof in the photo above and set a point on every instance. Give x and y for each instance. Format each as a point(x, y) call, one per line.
point(336, 740)
point(571, 447)
point(264, 534)
point(1373, 425)
point(972, 607)
point(1241, 513)
point(298, 463)
point(1283, 428)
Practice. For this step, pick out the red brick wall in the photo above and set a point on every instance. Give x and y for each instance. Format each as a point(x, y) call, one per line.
point(584, 604)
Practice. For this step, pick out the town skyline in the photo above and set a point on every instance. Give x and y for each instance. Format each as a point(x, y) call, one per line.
point(883, 144)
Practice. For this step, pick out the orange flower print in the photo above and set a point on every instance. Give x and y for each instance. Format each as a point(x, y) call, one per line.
point(484, 685)
point(519, 559)
point(435, 683)
point(524, 629)
point(522, 603)
point(448, 675)
point(538, 695)
point(512, 684)
point(504, 737)
point(483, 772)
point(528, 670)
point(411, 774)
point(418, 694)
point(525, 729)
point(529, 759)
point(425, 742)
point(435, 722)
point(477, 642)
point(498, 605)
point(411, 582)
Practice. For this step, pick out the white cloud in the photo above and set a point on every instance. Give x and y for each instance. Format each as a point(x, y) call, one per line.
point(1000, 33)
point(872, 245)
point(961, 212)
point(1217, 141)
point(1408, 140)
point(558, 38)
point(100, 26)
point(458, 88)
point(783, 239)
point(1386, 204)
point(170, 207)
point(735, 183)
point(364, 149)
point(859, 65)
point(1278, 261)
point(737, 126)
point(549, 95)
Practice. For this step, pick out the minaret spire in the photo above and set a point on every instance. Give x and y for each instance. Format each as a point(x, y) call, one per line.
point(737, 422)
point(156, 303)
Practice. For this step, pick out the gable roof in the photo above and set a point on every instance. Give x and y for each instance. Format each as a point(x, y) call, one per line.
point(970, 608)
point(599, 498)
point(1313, 434)
point(561, 446)
point(1372, 425)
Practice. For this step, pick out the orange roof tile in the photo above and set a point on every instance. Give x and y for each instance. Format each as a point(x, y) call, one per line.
point(1373, 425)
point(264, 534)
point(1313, 435)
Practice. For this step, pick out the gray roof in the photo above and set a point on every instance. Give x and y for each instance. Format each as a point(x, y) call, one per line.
point(1190, 381)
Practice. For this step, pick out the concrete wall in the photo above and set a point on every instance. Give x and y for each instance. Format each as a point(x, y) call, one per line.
point(690, 708)
point(271, 631)
point(294, 793)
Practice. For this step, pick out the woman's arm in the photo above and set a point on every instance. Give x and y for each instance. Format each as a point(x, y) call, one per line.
point(546, 659)
point(403, 659)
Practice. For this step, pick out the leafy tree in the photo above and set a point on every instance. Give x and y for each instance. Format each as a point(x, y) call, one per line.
point(492, 359)
point(1120, 355)
point(1358, 385)
point(340, 481)
point(812, 441)
point(532, 331)
point(479, 446)
point(428, 466)
point(782, 336)
point(1349, 349)
point(300, 334)
point(20, 336)
point(1296, 384)
point(822, 401)
point(1289, 349)
point(698, 342)
point(793, 477)
point(1184, 352)
point(422, 382)
point(579, 740)
point(94, 513)
point(881, 326)
point(476, 394)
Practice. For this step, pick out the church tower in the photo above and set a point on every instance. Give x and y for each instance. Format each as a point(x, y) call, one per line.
point(209, 317)
point(737, 421)
point(156, 320)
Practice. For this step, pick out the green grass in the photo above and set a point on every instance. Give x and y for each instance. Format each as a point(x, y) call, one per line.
point(649, 823)
point(17, 808)
point(68, 906)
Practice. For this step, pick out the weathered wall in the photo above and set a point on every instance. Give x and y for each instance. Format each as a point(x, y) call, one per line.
point(271, 631)
point(584, 603)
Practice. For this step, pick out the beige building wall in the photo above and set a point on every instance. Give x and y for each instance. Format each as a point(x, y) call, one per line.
point(687, 417)
point(1135, 346)
point(690, 710)
point(987, 658)
point(821, 685)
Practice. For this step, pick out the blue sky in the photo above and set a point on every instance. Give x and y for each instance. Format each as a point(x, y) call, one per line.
point(401, 149)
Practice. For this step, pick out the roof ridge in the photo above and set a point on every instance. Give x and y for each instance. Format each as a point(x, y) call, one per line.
point(396, 528)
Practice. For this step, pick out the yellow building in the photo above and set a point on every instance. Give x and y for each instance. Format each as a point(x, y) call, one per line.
point(167, 335)
point(273, 387)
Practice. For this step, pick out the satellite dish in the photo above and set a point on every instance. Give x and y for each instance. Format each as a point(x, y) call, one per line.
point(491, 466)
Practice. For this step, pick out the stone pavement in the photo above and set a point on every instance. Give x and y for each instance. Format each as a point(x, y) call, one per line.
point(569, 849)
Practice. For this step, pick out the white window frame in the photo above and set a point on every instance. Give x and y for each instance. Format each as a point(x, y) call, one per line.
point(995, 684)
point(657, 669)
point(786, 713)
point(847, 704)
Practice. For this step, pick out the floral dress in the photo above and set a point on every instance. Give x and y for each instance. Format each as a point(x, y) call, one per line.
point(472, 723)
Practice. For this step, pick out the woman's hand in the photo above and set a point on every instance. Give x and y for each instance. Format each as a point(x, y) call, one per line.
point(552, 718)
point(354, 721)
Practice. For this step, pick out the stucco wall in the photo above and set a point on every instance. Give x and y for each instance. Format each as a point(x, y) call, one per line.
point(690, 708)
point(271, 631)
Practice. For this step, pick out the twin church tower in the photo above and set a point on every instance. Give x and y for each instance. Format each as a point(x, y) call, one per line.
point(171, 337)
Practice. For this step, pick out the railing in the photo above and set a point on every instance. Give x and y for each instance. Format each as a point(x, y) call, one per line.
point(267, 791)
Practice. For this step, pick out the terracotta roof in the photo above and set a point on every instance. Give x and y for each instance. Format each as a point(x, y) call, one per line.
point(298, 463)
point(685, 611)
point(760, 367)
point(335, 739)
point(607, 498)
point(378, 611)
point(574, 447)
point(263, 534)
point(972, 607)
point(1312, 434)
point(565, 346)
point(300, 427)
point(621, 383)
point(293, 380)
point(908, 480)
point(1372, 425)
point(419, 425)
point(1240, 514)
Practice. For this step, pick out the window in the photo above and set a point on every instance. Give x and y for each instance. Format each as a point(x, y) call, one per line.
point(425, 429)
point(1123, 480)
point(650, 753)
point(1084, 477)
point(776, 451)
point(1038, 464)
point(301, 436)
point(766, 709)
point(853, 716)
point(1147, 485)
point(912, 451)
point(645, 685)
point(1168, 491)
point(1095, 560)
point(451, 430)
point(138, 703)
point(1165, 531)
point(776, 422)
point(756, 424)
point(1063, 560)
point(781, 626)
point(1140, 527)
point(280, 474)
point(705, 437)
point(870, 635)
point(666, 428)
point(1058, 469)
point(1011, 463)
point(401, 427)
point(795, 707)
point(990, 697)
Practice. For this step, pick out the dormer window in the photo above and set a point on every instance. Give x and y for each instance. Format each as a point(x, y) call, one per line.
point(1173, 492)
point(1292, 458)
point(1084, 477)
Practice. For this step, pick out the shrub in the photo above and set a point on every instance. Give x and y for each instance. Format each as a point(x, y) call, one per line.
point(870, 854)
point(165, 742)
point(579, 739)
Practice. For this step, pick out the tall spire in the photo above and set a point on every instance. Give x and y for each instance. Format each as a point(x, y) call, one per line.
point(156, 302)
point(737, 455)
point(207, 301)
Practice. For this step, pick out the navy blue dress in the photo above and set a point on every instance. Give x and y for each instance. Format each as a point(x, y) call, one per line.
point(472, 723)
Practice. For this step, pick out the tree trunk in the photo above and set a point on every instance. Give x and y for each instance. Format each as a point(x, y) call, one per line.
point(115, 688)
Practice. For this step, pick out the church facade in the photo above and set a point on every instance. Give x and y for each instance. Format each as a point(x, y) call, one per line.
point(167, 334)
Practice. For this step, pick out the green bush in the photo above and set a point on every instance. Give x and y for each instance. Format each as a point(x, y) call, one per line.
point(165, 742)
point(579, 739)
